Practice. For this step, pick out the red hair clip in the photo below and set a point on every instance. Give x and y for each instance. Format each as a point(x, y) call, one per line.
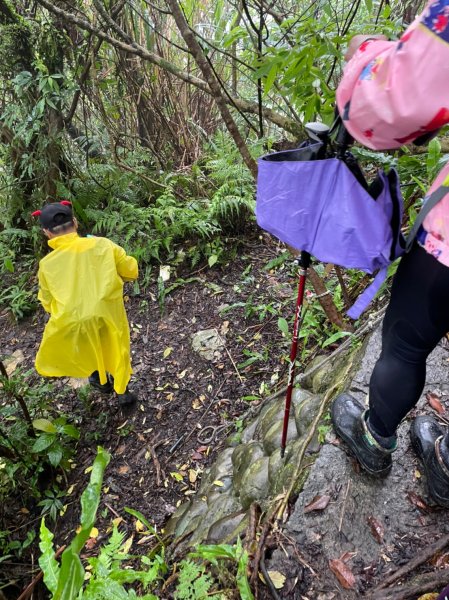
point(66, 203)
point(36, 213)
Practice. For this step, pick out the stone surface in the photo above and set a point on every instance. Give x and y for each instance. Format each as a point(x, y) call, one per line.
point(208, 343)
point(306, 407)
point(254, 484)
point(225, 529)
point(222, 507)
point(221, 468)
point(273, 437)
point(243, 457)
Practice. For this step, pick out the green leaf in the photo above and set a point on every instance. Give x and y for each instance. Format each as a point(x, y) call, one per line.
point(283, 325)
point(336, 336)
point(43, 442)
point(71, 431)
point(55, 455)
point(71, 577)
point(44, 425)
point(9, 265)
point(213, 258)
point(47, 561)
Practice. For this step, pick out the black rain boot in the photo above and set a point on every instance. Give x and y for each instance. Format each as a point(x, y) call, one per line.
point(94, 381)
point(350, 423)
point(127, 398)
point(431, 445)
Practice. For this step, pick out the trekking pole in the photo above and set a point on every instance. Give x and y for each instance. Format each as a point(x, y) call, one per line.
point(303, 264)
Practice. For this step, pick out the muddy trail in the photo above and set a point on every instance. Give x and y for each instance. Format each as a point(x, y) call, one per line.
point(189, 402)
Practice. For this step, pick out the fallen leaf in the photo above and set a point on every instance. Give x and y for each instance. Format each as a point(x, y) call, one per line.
point(164, 272)
point(123, 470)
point(434, 402)
point(139, 525)
point(127, 545)
point(90, 543)
point(432, 596)
point(13, 361)
point(418, 501)
point(117, 521)
point(318, 503)
point(176, 476)
point(197, 404)
point(417, 474)
point(377, 529)
point(218, 483)
point(167, 351)
point(93, 532)
point(278, 579)
point(192, 475)
point(343, 573)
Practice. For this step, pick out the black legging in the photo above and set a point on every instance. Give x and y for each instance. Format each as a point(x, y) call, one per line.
point(416, 319)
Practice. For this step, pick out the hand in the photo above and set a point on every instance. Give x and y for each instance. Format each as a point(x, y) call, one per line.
point(358, 40)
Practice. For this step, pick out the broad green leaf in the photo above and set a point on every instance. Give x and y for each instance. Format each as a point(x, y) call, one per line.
point(44, 425)
point(213, 258)
point(336, 336)
point(55, 455)
point(43, 442)
point(47, 561)
point(283, 325)
point(71, 431)
point(71, 576)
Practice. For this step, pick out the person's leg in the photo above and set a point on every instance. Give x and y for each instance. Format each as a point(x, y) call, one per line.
point(416, 319)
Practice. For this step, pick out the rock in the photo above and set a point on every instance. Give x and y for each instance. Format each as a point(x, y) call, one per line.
point(254, 484)
point(174, 519)
point(220, 469)
point(320, 381)
point(306, 409)
point(217, 488)
point(234, 439)
point(248, 432)
point(273, 414)
point(226, 529)
point(221, 508)
point(192, 515)
point(273, 437)
point(242, 457)
point(280, 469)
point(208, 343)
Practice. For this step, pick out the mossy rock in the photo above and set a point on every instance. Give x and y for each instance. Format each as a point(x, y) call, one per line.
point(243, 457)
point(254, 486)
point(273, 437)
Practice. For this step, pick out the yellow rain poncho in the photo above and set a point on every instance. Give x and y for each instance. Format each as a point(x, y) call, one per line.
point(81, 286)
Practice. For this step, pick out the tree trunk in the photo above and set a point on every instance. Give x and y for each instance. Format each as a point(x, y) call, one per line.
point(214, 86)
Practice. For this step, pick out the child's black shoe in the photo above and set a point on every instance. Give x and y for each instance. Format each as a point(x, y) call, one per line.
point(127, 398)
point(94, 381)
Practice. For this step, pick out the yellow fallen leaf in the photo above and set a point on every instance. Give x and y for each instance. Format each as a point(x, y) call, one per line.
point(417, 474)
point(432, 596)
point(139, 526)
point(117, 521)
point(218, 483)
point(167, 351)
point(277, 578)
point(197, 404)
point(70, 490)
point(192, 475)
point(127, 545)
point(88, 470)
point(93, 532)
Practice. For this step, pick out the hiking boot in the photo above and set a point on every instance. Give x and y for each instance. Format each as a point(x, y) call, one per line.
point(372, 451)
point(431, 445)
point(104, 388)
point(127, 398)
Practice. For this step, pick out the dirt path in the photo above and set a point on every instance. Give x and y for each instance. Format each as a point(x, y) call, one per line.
point(158, 453)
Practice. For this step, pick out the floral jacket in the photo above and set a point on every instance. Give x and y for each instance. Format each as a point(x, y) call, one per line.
point(394, 92)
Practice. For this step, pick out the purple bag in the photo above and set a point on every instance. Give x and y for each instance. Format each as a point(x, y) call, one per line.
point(325, 208)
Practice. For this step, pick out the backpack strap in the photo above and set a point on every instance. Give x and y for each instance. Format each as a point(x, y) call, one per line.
point(431, 201)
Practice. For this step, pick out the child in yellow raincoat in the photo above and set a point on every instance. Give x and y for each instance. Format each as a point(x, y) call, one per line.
point(81, 286)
